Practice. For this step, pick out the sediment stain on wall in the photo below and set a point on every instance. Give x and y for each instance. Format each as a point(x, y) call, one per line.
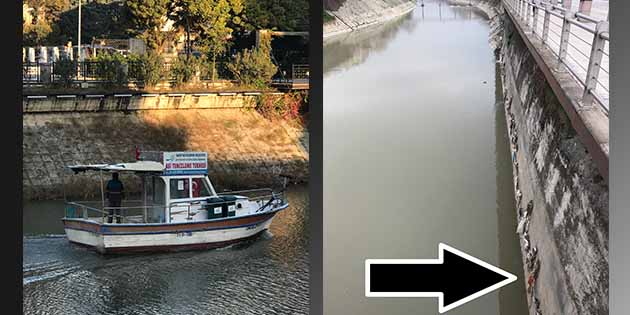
point(554, 171)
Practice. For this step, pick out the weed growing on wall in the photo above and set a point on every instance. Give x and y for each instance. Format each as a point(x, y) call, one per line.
point(289, 106)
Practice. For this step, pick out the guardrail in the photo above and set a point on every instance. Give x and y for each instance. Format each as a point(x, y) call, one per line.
point(264, 198)
point(580, 42)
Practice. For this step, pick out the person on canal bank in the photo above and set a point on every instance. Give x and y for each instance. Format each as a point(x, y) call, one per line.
point(115, 192)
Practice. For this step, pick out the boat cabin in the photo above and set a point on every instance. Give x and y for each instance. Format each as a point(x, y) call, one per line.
point(175, 189)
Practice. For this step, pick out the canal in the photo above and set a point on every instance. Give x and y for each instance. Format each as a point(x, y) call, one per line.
point(416, 153)
point(266, 276)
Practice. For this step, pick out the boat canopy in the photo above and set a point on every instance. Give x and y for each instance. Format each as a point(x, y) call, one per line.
point(139, 166)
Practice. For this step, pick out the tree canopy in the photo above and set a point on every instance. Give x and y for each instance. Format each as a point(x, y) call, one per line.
point(284, 15)
point(148, 18)
point(211, 22)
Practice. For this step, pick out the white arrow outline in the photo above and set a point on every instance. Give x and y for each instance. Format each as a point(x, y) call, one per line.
point(441, 248)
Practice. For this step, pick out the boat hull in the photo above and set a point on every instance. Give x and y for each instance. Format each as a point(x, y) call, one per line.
point(125, 238)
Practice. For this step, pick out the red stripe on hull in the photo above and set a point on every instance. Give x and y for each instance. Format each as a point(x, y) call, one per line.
point(99, 228)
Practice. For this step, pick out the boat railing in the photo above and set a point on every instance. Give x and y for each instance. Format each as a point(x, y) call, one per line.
point(126, 214)
point(247, 192)
point(188, 208)
point(256, 194)
point(80, 210)
point(265, 198)
point(139, 213)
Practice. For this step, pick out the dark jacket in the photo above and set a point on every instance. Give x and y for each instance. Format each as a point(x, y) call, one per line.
point(115, 190)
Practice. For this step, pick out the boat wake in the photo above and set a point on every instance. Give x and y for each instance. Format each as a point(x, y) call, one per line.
point(36, 272)
point(38, 236)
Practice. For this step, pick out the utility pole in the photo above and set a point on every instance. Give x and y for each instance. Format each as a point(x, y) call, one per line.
point(79, 35)
point(188, 48)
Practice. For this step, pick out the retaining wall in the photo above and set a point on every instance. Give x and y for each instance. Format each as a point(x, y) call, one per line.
point(245, 149)
point(564, 236)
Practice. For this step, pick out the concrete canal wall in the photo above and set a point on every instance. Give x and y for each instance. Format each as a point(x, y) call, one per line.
point(244, 148)
point(129, 102)
point(560, 180)
point(351, 15)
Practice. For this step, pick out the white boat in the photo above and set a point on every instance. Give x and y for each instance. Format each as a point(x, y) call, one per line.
point(179, 209)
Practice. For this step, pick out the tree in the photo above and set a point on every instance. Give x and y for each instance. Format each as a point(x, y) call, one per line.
point(284, 15)
point(254, 66)
point(109, 20)
point(39, 21)
point(211, 21)
point(149, 18)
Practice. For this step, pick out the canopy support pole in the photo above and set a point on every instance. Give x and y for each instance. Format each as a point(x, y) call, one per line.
point(63, 184)
point(100, 175)
point(144, 197)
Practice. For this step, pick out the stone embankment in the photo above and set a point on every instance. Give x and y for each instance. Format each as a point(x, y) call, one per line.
point(561, 194)
point(352, 15)
point(245, 149)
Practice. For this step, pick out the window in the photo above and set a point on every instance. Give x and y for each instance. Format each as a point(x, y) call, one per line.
point(157, 190)
point(199, 188)
point(179, 188)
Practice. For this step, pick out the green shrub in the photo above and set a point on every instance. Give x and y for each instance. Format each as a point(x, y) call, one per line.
point(183, 69)
point(66, 69)
point(112, 68)
point(254, 67)
point(148, 69)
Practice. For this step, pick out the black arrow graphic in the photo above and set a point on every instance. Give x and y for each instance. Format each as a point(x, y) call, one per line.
point(454, 278)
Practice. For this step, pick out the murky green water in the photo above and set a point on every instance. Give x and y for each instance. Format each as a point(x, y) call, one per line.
point(416, 153)
point(266, 276)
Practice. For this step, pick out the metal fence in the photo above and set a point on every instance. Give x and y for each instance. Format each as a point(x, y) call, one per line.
point(38, 73)
point(87, 71)
point(299, 73)
point(580, 42)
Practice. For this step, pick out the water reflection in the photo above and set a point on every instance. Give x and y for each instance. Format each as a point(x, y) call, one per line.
point(350, 49)
point(411, 157)
point(346, 50)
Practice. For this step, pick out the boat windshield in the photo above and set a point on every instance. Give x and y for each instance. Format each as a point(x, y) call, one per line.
point(188, 187)
point(179, 188)
point(200, 188)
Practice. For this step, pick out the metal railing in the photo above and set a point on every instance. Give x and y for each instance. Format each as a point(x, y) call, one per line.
point(264, 197)
point(38, 73)
point(41, 73)
point(299, 74)
point(580, 43)
point(83, 209)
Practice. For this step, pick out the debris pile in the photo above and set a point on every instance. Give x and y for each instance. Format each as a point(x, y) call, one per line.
point(532, 263)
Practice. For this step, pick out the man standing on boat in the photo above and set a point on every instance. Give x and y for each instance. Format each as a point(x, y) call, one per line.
point(115, 192)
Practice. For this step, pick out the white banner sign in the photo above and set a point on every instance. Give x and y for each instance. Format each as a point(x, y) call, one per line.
point(183, 163)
